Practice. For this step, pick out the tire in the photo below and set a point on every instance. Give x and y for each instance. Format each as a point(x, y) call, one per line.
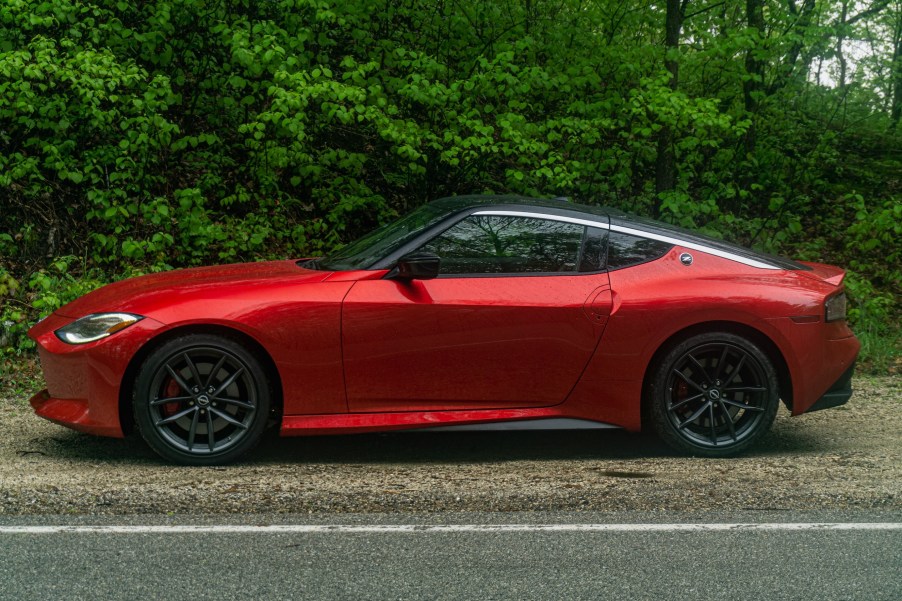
point(201, 400)
point(713, 395)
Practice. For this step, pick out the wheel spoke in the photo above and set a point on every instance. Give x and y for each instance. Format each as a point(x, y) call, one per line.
point(729, 419)
point(172, 399)
point(228, 382)
point(746, 389)
point(688, 381)
point(178, 378)
point(236, 402)
point(211, 441)
point(721, 362)
point(713, 428)
point(176, 417)
point(684, 401)
point(741, 405)
point(735, 371)
point(192, 431)
point(701, 368)
point(228, 418)
point(193, 368)
point(214, 371)
point(694, 416)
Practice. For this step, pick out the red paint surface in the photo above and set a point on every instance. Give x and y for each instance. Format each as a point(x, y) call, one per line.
point(467, 343)
point(356, 352)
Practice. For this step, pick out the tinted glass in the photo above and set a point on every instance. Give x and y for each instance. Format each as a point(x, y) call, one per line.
point(365, 251)
point(625, 250)
point(497, 244)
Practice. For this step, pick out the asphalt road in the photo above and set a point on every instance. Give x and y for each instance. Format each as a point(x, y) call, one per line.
point(776, 555)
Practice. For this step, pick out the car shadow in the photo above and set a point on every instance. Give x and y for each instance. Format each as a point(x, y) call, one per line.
point(393, 447)
point(70, 445)
point(421, 447)
point(795, 441)
point(489, 447)
point(463, 447)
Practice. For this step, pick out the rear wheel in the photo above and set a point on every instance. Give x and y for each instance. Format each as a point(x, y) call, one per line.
point(714, 395)
point(201, 400)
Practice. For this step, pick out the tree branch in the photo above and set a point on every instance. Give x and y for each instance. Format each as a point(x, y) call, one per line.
point(701, 10)
point(874, 9)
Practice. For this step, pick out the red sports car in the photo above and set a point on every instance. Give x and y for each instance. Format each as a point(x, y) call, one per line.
point(470, 312)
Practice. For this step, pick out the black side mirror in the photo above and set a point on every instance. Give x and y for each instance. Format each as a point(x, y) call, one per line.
point(417, 266)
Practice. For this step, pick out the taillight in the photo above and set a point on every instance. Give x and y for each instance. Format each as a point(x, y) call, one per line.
point(835, 307)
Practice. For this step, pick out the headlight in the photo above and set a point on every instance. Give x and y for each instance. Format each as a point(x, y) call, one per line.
point(94, 327)
point(835, 307)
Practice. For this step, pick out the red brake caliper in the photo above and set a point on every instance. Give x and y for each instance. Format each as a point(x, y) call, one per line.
point(172, 389)
point(680, 391)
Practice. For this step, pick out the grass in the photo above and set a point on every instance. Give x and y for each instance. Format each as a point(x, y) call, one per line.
point(20, 378)
point(881, 352)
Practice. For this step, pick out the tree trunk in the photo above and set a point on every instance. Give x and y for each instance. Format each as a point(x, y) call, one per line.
point(754, 68)
point(840, 41)
point(665, 163)
point(896, 71)
point(790, 68)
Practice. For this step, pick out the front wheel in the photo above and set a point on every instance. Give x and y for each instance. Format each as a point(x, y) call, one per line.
point(201, 400)
point(714, 395)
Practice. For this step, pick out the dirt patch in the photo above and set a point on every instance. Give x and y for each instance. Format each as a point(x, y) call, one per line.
point(848, 457)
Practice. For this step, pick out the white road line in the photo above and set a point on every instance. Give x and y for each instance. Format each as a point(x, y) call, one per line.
point(444, 528)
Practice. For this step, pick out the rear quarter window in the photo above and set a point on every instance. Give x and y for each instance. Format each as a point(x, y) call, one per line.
point(625, 250)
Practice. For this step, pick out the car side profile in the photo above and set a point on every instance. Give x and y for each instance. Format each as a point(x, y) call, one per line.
point(470, 312)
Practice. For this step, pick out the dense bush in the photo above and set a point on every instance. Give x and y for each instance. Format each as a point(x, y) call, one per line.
point(179, 133)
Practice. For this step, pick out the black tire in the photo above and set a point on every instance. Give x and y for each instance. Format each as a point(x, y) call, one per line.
point(713, 395)
point(201, 400)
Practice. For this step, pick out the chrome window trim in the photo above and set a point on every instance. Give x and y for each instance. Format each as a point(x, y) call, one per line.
point(545, 216)
point(636, 232)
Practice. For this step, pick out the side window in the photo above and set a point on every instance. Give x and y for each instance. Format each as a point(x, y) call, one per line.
point(497, 244)
point(625, 250)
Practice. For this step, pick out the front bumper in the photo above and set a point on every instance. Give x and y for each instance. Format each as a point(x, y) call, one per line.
point(83, 381)
point(837, 394)
point(75, 414)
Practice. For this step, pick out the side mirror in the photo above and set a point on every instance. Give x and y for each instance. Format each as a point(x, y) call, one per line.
point(417, 266)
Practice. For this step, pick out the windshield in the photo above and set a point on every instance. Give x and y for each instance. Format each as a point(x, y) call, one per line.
point(365, 251)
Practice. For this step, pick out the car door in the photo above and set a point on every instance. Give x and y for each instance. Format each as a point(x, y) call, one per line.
point(511, 320)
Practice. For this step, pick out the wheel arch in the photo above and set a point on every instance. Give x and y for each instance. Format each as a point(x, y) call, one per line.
point(126, 387)
point(762, 340)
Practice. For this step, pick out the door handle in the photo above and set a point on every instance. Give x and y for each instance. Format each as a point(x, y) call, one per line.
point(598, 306)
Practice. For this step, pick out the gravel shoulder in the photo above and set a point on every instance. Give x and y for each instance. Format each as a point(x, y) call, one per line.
point(844, 458)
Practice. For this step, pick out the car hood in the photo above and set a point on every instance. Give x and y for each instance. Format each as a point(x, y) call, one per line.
point(127, 294)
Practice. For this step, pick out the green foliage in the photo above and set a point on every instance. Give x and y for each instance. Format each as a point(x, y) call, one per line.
point(47, 290)
point(148, 136)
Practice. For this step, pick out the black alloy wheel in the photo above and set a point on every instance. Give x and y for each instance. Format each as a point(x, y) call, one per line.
point(713, 395)
point(201, 400)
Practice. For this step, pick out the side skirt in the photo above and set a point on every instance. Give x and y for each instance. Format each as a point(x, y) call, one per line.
point(550, 423)
point(540, 418)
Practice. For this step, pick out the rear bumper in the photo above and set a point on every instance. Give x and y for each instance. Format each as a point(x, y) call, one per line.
point(837, 394)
